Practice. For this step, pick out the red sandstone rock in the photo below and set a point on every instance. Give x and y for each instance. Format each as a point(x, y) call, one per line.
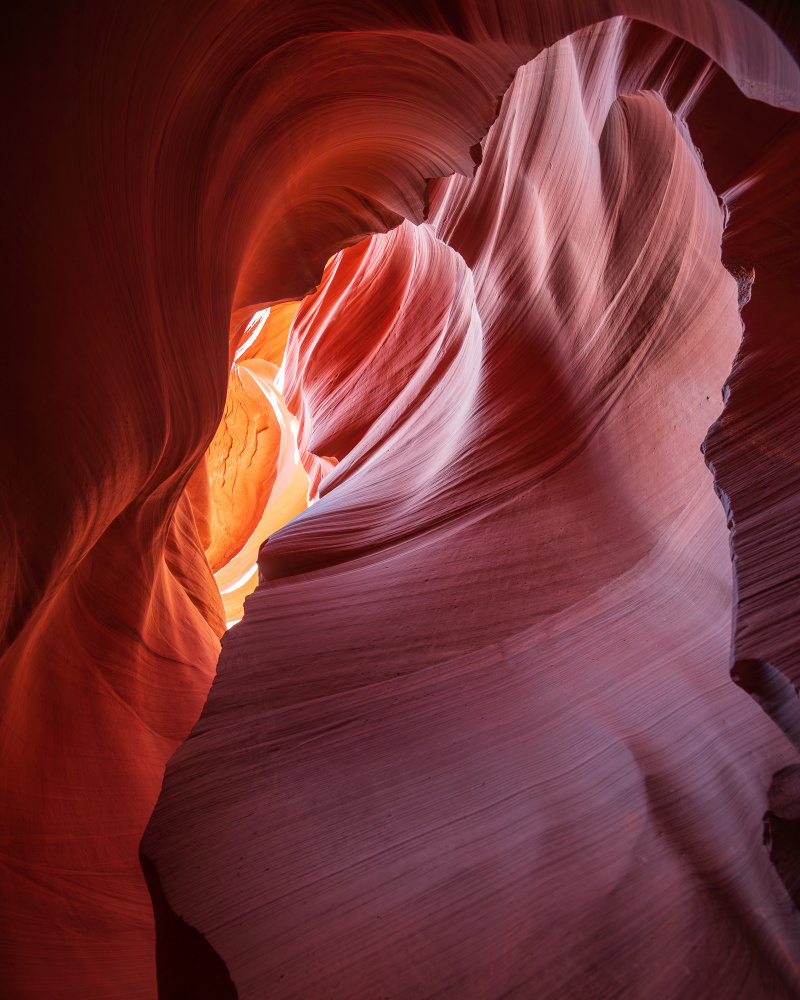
point(511, 714)
point(533, 550)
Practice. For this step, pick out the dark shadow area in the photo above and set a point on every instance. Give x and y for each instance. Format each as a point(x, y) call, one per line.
point(782, 828)
point(187, 967)
point(773, 691)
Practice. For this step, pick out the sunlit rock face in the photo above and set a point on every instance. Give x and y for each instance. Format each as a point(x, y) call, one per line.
point(252, 470)
point(475, 735)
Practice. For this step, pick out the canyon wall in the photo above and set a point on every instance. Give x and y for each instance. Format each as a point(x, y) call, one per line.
point(475, 734)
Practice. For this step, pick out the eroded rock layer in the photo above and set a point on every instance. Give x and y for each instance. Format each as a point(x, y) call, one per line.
point(491, 748)
point(475, 735)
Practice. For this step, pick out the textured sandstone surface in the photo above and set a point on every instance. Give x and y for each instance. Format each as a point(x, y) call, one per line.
point(475, 735)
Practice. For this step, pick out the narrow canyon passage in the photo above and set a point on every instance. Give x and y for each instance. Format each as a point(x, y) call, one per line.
point(472, 731)
point(416, 788)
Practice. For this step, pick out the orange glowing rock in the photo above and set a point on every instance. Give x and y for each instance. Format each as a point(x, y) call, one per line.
point(252, 468)
point(242, 461)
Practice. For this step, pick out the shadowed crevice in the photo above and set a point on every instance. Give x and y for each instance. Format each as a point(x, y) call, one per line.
point(782, 828)
point(773, 691)
point(187, 967)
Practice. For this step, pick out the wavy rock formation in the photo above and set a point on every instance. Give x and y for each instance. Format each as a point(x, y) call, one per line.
point(438, 789)
point(475, 735)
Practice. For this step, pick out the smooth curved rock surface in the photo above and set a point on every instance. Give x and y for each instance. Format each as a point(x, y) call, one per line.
point(491, 748)
point(176, 169)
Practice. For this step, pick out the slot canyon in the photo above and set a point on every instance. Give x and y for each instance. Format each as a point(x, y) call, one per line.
point(400, 500)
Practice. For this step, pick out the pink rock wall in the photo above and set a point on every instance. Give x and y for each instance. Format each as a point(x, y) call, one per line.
point(512, 712)
point(475, 735)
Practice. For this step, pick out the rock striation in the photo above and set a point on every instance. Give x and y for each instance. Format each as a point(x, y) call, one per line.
point(475, 735)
